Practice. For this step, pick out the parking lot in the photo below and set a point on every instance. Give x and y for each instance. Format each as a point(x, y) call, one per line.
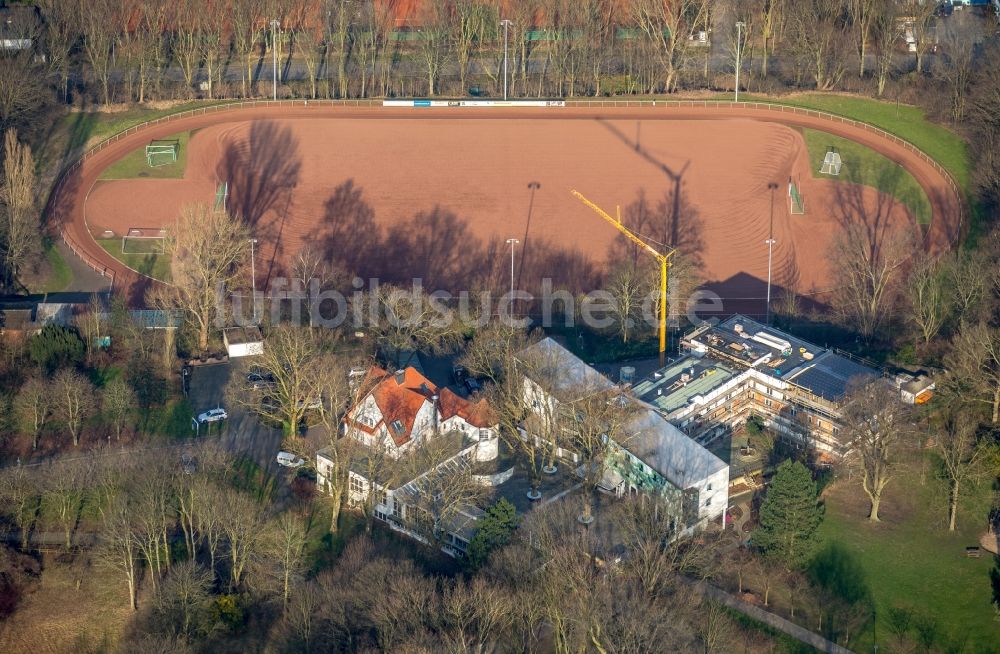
point(241, 434)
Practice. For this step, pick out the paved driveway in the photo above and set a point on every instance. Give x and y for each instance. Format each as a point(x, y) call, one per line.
point(242, 433)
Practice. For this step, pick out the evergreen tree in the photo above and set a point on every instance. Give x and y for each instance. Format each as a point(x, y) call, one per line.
point(789, 516)
point(55, 347)
point(495, 530)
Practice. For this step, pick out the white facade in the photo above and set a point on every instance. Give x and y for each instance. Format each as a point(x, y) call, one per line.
point(668, 458)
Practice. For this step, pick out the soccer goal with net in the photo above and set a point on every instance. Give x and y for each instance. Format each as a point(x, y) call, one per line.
point(144, 240)
point(162, 153)
point(795, 203)
point(831, 163)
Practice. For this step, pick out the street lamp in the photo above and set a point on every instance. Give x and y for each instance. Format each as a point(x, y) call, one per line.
point(253, 279)
point(512, 242)
point(770, 246)
point(506, 23)
point(739, 51)
point(274, 50)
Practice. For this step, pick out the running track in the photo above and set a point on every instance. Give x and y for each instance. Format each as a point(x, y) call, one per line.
point(66, 207)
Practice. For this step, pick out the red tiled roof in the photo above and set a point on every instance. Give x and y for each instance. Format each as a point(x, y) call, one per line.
point(477, 414)
point(398, 401)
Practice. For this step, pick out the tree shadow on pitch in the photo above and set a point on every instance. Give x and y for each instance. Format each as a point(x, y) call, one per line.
point(261, 171)
point(672, 222)
point(439, 247)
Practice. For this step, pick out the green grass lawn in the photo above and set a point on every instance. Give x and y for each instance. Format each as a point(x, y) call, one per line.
point(862, 165)
point(172, 420)
point(905, 121)
point(89, 128)
point(911, 560)
point(156, 266)
point(57, 277)
point(134, 164)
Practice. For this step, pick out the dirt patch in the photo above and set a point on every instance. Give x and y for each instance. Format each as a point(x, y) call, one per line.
point(77, 606)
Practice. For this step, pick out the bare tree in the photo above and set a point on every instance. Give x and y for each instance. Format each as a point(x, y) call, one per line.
point(629, 286)
point(20, 492)
point(22, 92)
point(820, 40)
point(119, 547)
point(31, 407)
point(657, 559)
point(771, 16)
point(929, 297)
point(495, 354)
point(309, 42)
point(62, 30)
point(974, 366)
point(99, 21)
point(961, 453)
point(522, 15)
point(435, 43)
point(468, 27)
point(185, 42)
point(341, 14)
point(72, 400)
point(863, 15)
point(209, 251)
point(182, 595)
point(956, 65)
point(213, 46)
point(285, 549)
point(969, 287)
point(117, 402)
point(884, 37)
point(248, 30)
point(211, 510)
point(412, 320)
point(288, 377)
point(152, 498)
point(878, 431)
point(473, 615)
point(21, 232)
point(243, 524)
point(597, 420)
point(668, 26)
point(921, 28)
point(867, 266)
point(65, 485)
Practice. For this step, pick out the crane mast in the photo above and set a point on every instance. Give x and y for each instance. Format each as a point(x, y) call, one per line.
point(663, 259)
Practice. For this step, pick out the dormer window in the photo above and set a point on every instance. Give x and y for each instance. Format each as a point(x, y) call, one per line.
point(397, 426)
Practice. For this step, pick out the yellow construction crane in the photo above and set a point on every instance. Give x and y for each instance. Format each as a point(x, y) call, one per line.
point(664, 260)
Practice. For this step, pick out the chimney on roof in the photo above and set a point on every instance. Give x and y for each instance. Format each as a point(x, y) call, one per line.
point(400, 377)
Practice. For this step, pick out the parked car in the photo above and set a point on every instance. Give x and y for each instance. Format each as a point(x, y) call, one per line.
point(459, 373)
point(213, 415)
point(472, 385)
point(259, 379)
point(289, 460)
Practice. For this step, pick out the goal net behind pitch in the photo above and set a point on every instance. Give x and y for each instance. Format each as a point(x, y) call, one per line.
point(831, 163)
point(161, 153)
point(144, 240)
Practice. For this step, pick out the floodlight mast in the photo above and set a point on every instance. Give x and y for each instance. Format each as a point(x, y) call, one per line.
point(663, 259)
point(274, 52)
